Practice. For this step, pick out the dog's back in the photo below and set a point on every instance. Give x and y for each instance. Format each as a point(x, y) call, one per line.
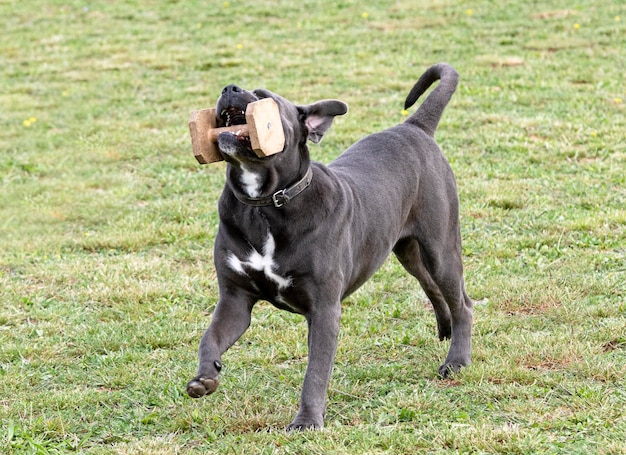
point(383, 162)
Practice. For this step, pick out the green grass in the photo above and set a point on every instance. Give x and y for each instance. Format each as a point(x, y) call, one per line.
point(107, 224)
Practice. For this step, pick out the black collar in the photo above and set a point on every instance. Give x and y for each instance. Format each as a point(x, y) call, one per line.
point(280, 197)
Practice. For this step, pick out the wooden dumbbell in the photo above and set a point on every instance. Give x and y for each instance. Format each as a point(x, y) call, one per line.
point(263, 126)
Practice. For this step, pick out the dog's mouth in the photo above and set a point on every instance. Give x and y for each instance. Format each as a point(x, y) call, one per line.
point(232, 116)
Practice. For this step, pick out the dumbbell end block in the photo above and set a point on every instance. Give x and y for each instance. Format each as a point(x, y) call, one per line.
point(266, 129)
point(200, 125)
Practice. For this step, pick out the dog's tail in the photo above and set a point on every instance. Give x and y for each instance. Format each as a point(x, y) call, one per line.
point(429, 113)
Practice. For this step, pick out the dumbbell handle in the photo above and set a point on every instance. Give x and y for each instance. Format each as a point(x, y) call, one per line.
point(214, 133)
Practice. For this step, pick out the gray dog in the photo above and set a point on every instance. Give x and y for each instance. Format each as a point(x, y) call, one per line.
point(303, 236)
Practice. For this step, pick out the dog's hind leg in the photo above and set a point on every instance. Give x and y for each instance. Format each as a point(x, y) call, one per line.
point(440, 271)
point(461, 310)
point(408, 253)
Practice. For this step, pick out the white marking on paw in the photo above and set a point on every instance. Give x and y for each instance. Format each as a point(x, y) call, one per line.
point(251, 182)
point(260, 262)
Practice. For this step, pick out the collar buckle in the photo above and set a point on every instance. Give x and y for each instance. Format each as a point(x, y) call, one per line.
point(279, 198)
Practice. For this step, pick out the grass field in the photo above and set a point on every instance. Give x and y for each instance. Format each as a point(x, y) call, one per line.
point(107, 224)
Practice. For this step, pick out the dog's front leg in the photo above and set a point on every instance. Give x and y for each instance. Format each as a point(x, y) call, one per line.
point(230, 320)
point(323, 336)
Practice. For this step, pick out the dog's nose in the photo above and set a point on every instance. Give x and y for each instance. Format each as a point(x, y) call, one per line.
point(231, 89)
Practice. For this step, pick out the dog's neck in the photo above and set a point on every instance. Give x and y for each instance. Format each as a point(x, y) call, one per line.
point(249, 190)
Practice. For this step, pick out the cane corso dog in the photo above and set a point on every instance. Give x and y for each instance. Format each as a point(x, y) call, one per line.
point(304, 236)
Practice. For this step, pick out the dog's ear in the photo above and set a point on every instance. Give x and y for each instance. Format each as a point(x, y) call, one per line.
point(319, 116)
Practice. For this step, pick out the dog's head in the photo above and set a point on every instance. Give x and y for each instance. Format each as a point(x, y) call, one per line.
point(299, 124)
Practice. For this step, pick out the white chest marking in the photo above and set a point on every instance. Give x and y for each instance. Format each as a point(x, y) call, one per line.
point(251, 182)
point(261, 263)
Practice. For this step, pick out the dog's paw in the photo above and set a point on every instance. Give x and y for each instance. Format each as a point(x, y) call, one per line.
point(303, 427)
point(448, 369)
point(304, 423)
point(444, 332)
point(200, 387)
